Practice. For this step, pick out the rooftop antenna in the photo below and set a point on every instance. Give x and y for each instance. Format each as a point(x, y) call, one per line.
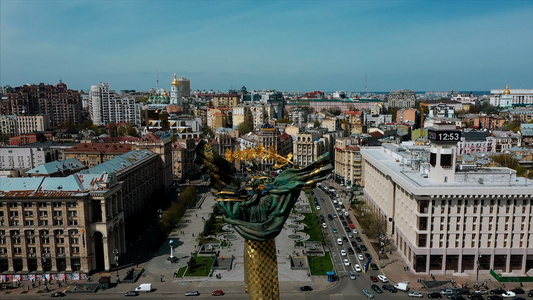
point(157, 78)
point(366, 85)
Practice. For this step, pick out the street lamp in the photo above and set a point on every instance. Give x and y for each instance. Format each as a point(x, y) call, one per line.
point(171, 244)
point(477, 269)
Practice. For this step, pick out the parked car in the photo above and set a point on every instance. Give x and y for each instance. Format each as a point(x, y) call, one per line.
point(389, 288)
point(305, 288)
point(352, 226)
point(456, 297)
point(350, 251)
point(358, 249)
point(350, 235)
point(434, 295)
point(447, 292)
point(347, 262)
point(335, 230)
point(192, 293)
point(339, 241)
point(518, 291)
point(374, 278)
point(368, 293)
point(476, 296)
point(363, 247)
point(324, 225)
point(374, 266)
point(530, 293)
point(355, 231)
point(131, 294)
point(376, 288)
point(383, 278)
point(358, 268)
point(494, 297)
point(58, 294)
point(343, 252)
point(481, 291)
point(330, 217)
point(415, 294)
point(509, 294)
point(353, 243)
point(358, 239)
point(352, 275)
point(217, 293)
point(344, 223)
point(360, 256)
point(497, 291)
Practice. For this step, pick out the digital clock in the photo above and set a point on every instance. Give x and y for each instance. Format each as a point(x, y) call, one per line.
point(444, 135)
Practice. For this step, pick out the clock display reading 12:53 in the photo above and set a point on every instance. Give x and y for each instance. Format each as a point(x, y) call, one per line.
point(444, 135)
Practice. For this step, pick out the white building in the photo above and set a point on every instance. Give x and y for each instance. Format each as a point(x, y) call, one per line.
point(27, 124)
point(448, 220)
point(518, 97)
point(175, 92)
point(107, 106)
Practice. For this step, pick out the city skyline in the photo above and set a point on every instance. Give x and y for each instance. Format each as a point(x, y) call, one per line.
point(291, 46)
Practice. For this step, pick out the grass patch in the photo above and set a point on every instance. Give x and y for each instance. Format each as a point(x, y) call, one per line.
point(202, 267)
point(181, 272)
point(319, 265)
point(313, 229)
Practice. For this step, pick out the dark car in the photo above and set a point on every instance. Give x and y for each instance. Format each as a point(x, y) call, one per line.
point(497, 291)
point(390, 288)
point(354, 243)
point(363, 247)
point(344, 222)
point(374, 266)
point(456, 297)
point(348, 219)
point(330, 217)
point(358, 239)
point(342, 218)
point(350, 250)
point(376, 288)
point(358, 249)
point(530, 293)
point(520, 298)
point(58, 294)
point(345, 239)
point(495, 297)
point(476, 296)
point(367, 255)
point(463, 291)
point(305, 288)
point(131, 293)
point(217, 293)
point(434, 295)
point(518, 291)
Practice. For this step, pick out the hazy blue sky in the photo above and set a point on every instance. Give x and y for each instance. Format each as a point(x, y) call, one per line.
point(283, 45)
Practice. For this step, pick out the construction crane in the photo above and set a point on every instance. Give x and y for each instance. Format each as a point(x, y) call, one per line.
point(422, 110)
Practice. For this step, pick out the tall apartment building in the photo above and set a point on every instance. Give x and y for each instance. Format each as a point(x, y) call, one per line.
point(107, 106)
point(226, 100)
point(261, 114)
point(57, 101)
point(27, 157)
point(185, 86)
point(401, 99)
point(446, 219)
point(7, 127)
point(348, 161)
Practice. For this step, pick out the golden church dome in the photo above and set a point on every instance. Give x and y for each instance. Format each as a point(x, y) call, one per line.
point(175, 82)
point(507, 91)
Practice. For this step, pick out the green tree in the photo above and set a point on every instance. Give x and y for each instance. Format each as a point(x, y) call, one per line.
point(244, 128)
point(316, 124)
point(68, 124)
point(188, 195)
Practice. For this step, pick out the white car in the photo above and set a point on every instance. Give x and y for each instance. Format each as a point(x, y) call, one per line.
point(347, 214)
point(355, 231)
point(324, 225)
point(318, 207)
point(343, 252)
point(360, 256)
point(509, 294)
point(338, 208)
point(352, 275)
point(334, 201)
point(339, 241)
point(383, 278)
point(415, 294)
point(347, 262)
point(358, 268)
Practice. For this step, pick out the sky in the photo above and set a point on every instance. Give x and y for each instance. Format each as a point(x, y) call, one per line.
point(282, 45)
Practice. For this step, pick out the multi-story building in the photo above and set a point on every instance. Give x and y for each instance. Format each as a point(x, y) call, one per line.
point(348, 161)
point(446, 219)
point(401, 99)
point(240, 115)
point(183, 159)
point(185, 86)
point(27, 157)
point(298, 115)
point(473, 141)
point(7, 127)
point(406, 115)
point(216, 118)
point(517, 97)
point(355, 121)
point(107, 106)
point(261, 114)
point(522, 114)
point(27, 124)
point(57, 101)
point(307, 147)
point(331, 123)
point(527, 135)
point(93, 154)
point(226, 100)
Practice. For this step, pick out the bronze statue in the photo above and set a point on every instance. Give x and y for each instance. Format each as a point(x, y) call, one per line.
point(258, 210)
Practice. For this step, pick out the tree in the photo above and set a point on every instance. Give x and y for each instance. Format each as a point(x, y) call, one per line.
point(316, 124)
point(285, 121)
point(244, 128)
point(188, 195)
